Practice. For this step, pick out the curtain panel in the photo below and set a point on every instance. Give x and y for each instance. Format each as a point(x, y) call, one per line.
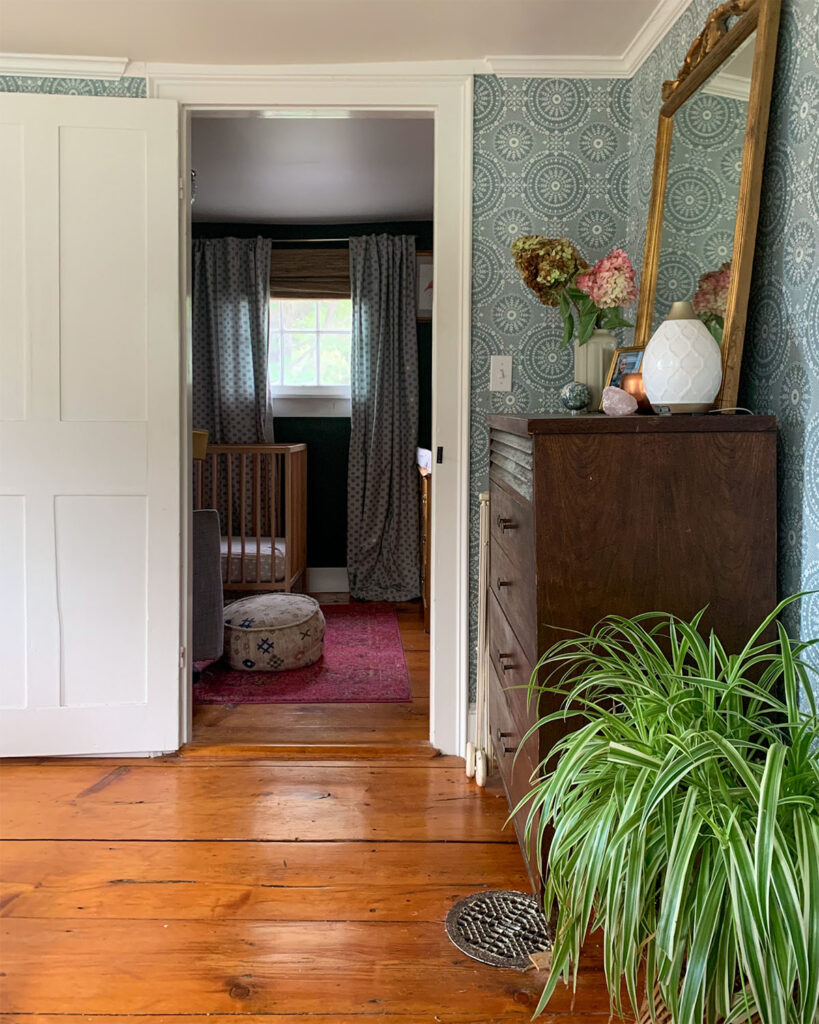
point(383, 550)
point(231, 295)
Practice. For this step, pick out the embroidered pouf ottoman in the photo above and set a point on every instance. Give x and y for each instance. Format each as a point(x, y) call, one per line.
point(273, 632)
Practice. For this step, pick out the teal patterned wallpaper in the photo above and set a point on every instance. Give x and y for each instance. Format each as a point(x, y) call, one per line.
point(551, 156)
point(781, 365)
point(536, 149)
point(133, 88)
point(781, 357)
point(701, 200)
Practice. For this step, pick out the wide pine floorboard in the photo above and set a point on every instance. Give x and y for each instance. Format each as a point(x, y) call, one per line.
point(185, 890)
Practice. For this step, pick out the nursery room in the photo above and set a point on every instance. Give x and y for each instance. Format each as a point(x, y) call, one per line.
point(409, 511)
point(311, 409)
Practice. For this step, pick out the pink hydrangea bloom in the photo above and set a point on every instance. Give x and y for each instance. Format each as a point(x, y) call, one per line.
point(610, 282)
point(711, 297)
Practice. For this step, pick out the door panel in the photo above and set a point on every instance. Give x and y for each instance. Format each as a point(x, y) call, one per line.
point(90, 591)
point(103, 202)
point(89, 425)
point(13, 619)
point(12, 279)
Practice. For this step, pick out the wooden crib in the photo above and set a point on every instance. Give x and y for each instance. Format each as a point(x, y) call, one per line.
point(260, 491)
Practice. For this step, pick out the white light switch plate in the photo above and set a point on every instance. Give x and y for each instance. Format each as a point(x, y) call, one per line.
point(500, 373)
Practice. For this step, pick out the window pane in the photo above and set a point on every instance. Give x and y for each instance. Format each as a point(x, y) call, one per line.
point(300, 359)
point(335, 314)
point(299, 314)
point(335, 358)
point(275, 314)
point(274, 358)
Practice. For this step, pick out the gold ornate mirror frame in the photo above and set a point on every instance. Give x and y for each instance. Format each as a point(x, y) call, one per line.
point(712, 47)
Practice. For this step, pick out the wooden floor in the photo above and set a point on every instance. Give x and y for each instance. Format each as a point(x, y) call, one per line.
point(247, 884)
point(345, 730)
point(197, 890)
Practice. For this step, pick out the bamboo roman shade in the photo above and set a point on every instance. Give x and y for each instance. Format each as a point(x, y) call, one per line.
point(310, 274)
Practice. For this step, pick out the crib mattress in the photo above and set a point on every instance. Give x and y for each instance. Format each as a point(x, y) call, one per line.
point(270, 554)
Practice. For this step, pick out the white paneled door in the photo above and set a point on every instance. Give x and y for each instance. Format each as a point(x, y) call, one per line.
point(89, 425)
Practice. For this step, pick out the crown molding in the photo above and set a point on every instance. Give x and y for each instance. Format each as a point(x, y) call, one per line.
point(651, 34)
point(557, 67)
point(41, 65)
point(164, 75)
point(581, 66)
point(734, 87)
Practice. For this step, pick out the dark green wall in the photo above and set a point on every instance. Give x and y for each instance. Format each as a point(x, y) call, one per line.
point(328, 443)
point(328, 438)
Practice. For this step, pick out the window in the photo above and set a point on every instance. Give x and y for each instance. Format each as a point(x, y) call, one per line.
point(310, 346)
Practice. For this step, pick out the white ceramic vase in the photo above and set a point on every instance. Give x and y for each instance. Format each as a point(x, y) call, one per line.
point(682, 365)
point(592, 362)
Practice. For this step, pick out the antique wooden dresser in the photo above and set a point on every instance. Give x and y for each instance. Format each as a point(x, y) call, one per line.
point(592, 515)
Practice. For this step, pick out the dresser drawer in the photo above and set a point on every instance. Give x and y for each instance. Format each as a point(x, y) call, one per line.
point(514, 588)
point(511, 459)
point(511, 526)
point(515, 764)
point(511, 664)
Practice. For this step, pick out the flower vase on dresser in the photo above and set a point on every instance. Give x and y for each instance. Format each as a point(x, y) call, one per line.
point(589, 299)
point(592, 362)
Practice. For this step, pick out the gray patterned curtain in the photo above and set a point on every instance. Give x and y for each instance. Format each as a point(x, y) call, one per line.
point(231, 293)
point(382, 489)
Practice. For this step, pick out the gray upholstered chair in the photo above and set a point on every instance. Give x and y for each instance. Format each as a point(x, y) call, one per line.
point(208, 625)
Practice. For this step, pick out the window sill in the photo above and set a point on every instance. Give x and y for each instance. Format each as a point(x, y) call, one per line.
point(311, 391)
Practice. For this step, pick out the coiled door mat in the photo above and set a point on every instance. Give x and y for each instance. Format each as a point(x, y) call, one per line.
point(500, 927)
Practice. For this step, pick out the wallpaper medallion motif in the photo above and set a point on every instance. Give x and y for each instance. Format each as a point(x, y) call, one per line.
point(582, 167)
point(131, 88)
point(781, 364)
point(551, 157)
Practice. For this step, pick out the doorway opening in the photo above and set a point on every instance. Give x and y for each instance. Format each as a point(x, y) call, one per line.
point(279, 200)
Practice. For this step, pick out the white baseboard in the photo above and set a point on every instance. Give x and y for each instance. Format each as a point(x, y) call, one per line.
point(328, 581)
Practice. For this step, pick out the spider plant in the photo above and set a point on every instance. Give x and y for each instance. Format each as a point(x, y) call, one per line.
point(685, 817)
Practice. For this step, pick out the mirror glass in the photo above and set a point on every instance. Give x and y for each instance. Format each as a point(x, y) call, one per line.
point(699, 215)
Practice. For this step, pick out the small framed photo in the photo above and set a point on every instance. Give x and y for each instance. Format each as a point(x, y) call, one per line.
point(423, 277)
point(624, 360)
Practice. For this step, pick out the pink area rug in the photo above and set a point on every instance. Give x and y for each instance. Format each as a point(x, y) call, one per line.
point(363, 662)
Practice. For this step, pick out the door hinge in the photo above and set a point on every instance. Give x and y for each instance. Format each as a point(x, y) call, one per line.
point(181, 188)
point(183, 652)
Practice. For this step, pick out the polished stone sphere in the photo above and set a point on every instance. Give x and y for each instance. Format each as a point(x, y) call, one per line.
point(575, 396)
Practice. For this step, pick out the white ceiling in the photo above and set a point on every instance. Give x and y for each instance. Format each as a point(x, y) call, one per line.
point(312, 171)
point(322, 31)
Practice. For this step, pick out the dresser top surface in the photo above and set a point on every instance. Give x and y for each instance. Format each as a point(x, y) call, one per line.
point(599, 423)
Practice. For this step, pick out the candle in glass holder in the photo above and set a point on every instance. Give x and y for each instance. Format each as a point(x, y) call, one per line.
point(633, 384)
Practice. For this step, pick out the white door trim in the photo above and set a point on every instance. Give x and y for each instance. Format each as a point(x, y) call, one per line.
point(449, 97)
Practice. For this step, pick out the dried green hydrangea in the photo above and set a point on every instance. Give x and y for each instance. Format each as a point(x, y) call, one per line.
point(547, 265)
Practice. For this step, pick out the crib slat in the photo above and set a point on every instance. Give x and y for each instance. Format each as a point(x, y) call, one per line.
point(214, 472)
point(257, 493)
point(242, 507)
point(198, 468)
point(271, 464)
point(229, 472)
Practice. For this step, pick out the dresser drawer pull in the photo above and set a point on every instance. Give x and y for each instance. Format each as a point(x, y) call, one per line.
point(500, 737)
point(506, 524)
point(503, 583)
point(502, 659)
